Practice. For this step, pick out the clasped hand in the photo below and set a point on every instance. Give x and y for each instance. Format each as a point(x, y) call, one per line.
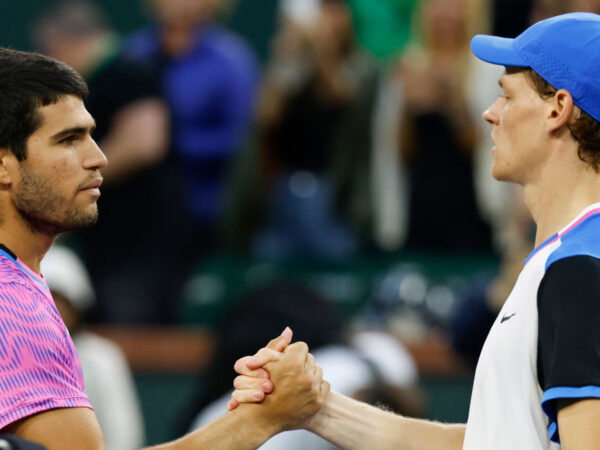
point(283, 378)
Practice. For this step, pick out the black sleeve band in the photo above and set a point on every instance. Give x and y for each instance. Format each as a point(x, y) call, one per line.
point(569, 323)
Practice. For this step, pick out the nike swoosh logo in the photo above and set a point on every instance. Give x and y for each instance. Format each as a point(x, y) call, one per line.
point(506, 317)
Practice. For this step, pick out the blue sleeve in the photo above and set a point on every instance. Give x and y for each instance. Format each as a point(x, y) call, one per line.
point(215, 111)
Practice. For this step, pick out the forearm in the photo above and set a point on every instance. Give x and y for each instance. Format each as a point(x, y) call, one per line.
point(235, 430)
point(350, 424)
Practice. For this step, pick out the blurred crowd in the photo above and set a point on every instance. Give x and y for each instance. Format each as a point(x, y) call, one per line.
point(359, 134)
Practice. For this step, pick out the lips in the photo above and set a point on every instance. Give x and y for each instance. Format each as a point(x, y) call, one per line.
point(93, 186)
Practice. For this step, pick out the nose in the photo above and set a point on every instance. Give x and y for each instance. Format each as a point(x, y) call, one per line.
point(94, 158)
point(489, 114)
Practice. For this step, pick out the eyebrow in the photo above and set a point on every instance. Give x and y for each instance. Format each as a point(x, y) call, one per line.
point(73, 130)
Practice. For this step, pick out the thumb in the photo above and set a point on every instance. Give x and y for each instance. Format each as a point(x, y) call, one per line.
point(282, 341)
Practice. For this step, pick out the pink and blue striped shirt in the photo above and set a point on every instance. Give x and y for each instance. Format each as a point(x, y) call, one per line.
point(39, 366)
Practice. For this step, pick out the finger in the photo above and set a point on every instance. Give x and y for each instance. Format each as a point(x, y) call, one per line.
point(318, 371)
point(241, 367)
point(232, 404)
point(297, 349)
point(280, 343)
point(295, 354)
point(310, 361)
point(262, 357)
point(242, 382)
point(247, 396)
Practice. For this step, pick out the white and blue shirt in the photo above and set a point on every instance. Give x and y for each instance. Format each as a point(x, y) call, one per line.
point(544, 344)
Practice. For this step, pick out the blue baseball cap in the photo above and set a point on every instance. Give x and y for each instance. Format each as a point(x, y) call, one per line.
point(564, 50)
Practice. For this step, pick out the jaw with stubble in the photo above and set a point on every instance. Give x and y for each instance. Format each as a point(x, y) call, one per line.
point(47, 211)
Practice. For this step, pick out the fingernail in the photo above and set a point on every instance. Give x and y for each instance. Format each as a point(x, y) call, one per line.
point(266, 386)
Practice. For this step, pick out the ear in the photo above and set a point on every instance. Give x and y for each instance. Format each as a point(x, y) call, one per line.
point(562, 110)
point(8, 162)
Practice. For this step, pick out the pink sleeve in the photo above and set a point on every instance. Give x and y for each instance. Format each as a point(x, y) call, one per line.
point(39, 367)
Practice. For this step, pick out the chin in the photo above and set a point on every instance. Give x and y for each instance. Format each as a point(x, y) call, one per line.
point(77, 220)
point(499, 174)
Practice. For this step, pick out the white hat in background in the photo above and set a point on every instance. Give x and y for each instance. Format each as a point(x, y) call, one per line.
point(303, 12)
point(65, 273)
point(395, 364)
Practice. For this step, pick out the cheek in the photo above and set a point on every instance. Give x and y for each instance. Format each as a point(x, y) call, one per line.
point(513, 121)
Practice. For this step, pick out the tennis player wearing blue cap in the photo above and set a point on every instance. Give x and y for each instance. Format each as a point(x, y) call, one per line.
point(537, 384)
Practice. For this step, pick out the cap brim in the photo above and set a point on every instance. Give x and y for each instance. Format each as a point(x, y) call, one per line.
point(496, 50)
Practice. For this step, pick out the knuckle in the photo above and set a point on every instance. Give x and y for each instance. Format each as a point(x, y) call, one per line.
point(319, 371)
point(303, 346)
point(237, 365)
point(240, 365)
point(238, 382)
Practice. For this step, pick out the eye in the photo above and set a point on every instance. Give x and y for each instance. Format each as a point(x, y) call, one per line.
point(69, 140)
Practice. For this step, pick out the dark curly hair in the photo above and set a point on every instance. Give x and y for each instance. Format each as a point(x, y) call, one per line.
point(29, 81)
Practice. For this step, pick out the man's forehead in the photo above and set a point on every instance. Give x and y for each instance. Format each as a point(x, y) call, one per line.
point(69, 111)
point(510, 78)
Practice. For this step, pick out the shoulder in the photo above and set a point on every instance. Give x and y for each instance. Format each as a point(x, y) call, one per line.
point(578, 274)
point(229, 47)
point(127, 72)
point(142, 44)
point(568, 293)
point(17, 290)
point(581, 240)
point(10, 272)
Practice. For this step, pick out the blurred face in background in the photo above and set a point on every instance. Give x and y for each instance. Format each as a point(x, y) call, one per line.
point(444, 22)
point(335, 25)
point(183, 13)
point(336, 18)
point(586, 5)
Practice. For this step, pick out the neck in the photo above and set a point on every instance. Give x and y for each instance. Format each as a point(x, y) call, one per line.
point(559, 198)
point(28, 245)
point(178, 40)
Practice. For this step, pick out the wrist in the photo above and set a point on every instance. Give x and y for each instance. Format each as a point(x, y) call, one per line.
point(252, 417)
point(319, 420)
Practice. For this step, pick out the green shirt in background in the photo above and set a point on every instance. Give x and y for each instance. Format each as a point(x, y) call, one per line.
point(383, 26)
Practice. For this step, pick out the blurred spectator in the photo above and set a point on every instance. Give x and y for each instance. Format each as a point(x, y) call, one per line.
point(134, 276)
point(388, 177)
point(441, 130)
point(585, 6)
point(542, 9)
point(371, 365)
point(108, 379)
point(209, 77)
point(313, 136)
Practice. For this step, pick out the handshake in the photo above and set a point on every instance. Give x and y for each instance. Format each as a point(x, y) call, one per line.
point(279, 388)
